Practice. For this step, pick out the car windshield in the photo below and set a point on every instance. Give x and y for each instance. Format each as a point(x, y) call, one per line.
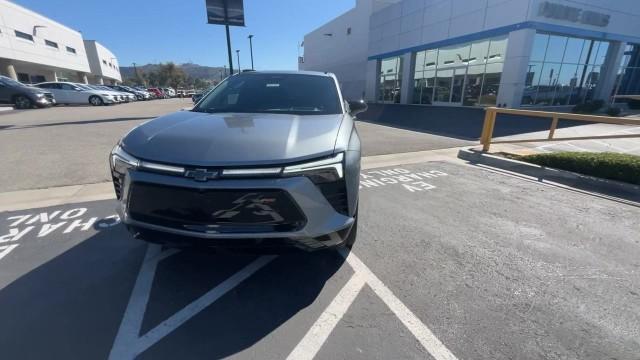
point(274, 93)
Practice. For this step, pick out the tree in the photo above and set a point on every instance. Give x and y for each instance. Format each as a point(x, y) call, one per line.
point(172, 75)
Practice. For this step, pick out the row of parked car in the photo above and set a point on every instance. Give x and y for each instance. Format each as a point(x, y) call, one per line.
point(62, 92)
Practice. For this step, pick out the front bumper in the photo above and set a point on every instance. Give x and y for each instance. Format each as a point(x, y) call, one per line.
point(323, 226)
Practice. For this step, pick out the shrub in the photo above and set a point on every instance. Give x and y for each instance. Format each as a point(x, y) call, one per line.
point(614, 166)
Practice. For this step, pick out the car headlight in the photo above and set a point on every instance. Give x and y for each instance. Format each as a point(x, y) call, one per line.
point(121, 161)
point(107, 95)
point(39, 95)
point(320, 171)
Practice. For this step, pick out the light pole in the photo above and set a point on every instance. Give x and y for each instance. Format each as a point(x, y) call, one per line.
point(238, 56)
point(251, 50)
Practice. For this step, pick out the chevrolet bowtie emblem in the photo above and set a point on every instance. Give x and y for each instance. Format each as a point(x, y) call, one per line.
point(202, 174)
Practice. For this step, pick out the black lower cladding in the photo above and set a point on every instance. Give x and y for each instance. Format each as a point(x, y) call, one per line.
point(215, 210)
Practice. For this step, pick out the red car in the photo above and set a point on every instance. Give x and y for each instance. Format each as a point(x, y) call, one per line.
point(157, 93)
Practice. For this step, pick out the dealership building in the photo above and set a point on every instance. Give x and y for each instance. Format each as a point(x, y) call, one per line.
point(35, 49)
point(512, 53)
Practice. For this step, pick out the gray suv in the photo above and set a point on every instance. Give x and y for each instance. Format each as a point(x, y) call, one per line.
point(264, 160)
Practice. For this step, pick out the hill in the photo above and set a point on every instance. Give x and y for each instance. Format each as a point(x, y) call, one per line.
point(195, 71)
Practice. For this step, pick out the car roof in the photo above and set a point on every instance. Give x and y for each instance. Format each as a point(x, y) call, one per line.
point(291, 72)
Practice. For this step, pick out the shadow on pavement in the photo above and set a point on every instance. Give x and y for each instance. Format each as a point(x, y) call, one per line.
point(72, 304)
point(458, 122)
point(84, 122)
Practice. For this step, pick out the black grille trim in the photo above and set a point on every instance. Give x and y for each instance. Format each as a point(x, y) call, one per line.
point(210, 210)
point(336, 195)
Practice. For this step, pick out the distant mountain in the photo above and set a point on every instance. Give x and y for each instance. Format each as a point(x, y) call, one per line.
point(207, 73)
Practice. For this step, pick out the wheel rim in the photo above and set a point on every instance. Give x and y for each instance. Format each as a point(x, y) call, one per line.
point(22, 102)
point(95, 101)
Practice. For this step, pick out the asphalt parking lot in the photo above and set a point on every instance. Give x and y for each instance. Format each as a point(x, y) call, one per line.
point(452, 261)
point(69, 145)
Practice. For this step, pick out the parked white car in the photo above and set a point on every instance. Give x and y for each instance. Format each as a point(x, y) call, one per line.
point(117, 95)
point(70, 93)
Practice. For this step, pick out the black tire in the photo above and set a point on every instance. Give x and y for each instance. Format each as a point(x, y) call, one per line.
point(353, 233)
point(96, 100)
point(22, 102)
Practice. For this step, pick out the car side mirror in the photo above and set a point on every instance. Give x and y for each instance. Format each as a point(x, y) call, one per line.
point(357, 106)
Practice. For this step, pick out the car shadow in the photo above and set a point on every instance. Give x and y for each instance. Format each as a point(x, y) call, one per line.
point(82, 122)
point(463, 123)
point(71, 305)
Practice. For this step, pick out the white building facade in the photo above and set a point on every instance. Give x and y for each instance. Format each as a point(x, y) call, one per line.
point(103, 63)
point(34, 48)
point(511, 53)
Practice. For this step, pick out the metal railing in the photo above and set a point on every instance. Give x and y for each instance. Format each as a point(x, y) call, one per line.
point(486, 139)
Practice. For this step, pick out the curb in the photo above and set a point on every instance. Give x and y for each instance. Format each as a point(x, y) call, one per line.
point(622, 191)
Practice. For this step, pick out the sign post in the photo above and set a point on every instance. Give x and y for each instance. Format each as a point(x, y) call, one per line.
point(227, 13)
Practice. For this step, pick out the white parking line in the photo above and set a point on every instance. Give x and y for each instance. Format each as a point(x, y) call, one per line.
point(425, 336)
point(133, 315)
point(128, 343)
point(309, 346)
point(6, 249)
point(163, 329)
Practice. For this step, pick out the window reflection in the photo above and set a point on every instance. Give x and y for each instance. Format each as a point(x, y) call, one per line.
point(628, 79)
point(390, 80)
point(566, 72)
point(456, 74)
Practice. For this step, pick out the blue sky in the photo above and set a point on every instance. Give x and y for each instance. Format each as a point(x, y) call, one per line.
point(150, 31)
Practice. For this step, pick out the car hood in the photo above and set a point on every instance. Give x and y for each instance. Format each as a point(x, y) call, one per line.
point(222, 139)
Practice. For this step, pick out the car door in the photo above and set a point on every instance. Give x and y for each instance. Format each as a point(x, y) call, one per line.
point(73, 94)
point(54, 89)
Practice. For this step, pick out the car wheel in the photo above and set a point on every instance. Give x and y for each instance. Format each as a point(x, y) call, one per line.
point(96, 101)
point(23, 102)
point(353, 233)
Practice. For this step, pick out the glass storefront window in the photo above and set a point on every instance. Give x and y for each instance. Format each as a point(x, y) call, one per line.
point(555, 49)
point(539, 47)
point(456, 74)
point(565, 73)
point(443, 85)
point(628, 80)
point(491, 84)
point(390, 80)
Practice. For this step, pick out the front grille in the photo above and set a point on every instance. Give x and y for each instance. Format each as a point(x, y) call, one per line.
point(336, 194)
point(215, 210)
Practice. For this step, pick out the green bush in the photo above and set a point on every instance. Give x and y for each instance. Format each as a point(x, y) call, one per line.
point(588, 107)
point(613, 111)
point(614, 166)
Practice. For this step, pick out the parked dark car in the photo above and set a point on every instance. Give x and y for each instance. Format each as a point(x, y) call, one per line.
point(23, 96)
point(265, 160)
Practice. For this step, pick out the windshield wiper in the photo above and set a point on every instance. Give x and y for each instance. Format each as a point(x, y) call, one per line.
point(309, 109)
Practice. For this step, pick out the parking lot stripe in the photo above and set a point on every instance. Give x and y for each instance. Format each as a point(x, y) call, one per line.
point(5, 250)
point(133, 315)
point(189, 311)
point(311, 343)
point(425, 336)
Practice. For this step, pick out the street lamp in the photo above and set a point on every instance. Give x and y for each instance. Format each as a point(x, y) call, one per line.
point(251, 50)
point(238, 56)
